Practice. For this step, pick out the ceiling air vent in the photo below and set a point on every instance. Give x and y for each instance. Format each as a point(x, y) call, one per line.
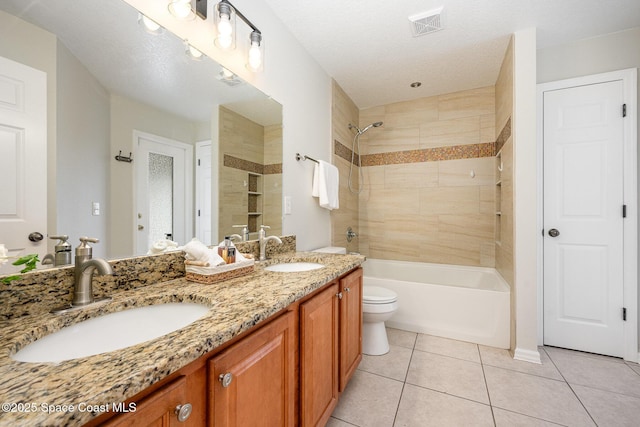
point(426, 22)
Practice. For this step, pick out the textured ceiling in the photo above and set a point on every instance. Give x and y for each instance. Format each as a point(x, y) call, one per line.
point(368, 48)
point(153, 69)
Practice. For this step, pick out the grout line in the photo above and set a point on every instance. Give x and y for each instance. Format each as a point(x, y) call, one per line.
point(570, 388)
point(486, 385)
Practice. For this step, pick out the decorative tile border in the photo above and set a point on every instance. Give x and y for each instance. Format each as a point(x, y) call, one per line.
point(246, 165)
point(505, 134)
point(454, 152)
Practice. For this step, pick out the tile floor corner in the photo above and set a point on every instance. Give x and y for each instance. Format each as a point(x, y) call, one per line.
point(431, 381)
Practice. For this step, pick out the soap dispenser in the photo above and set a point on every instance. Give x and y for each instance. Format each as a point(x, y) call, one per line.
point(62, 250)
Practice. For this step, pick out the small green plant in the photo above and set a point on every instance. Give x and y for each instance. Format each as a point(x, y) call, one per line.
point(29, 262)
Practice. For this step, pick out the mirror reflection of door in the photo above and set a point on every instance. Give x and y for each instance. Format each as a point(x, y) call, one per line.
point(23, 161)
point(163, 191)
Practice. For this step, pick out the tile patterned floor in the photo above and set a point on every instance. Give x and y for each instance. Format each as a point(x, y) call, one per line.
point(431, 381)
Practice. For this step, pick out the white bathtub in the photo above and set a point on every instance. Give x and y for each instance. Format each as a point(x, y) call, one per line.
point(463, 303)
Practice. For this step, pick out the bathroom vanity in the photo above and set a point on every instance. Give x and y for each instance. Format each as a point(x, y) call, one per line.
point(274, 349)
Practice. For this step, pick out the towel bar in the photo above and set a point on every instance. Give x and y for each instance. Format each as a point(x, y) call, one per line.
point(300, 157)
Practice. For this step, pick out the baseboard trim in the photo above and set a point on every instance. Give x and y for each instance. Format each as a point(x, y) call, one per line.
point(527, 355)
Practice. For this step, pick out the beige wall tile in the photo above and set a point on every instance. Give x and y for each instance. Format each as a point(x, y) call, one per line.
point(410, 175)
point(504, 90)
point(385, 139)
point(488, 128)
point(442, 133)
point(458, 172)
point(467, 103)
point(343, 112)
point(450, 200)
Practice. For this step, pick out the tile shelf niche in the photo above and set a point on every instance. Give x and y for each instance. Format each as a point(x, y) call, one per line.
point(254, 198)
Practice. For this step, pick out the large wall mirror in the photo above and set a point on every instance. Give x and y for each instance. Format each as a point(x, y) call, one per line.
point(116, 88)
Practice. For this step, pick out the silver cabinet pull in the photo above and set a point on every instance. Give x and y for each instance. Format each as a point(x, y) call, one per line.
point(183, 412)
point(554, 233)
point(225, 379)
point(347, 289)
point(339, 295)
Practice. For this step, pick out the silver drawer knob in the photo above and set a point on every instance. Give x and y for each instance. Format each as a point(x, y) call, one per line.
point(226, 379)
point(183, 412)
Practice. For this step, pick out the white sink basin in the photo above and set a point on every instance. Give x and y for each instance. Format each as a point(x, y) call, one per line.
point(113, 331)
point(292, 267)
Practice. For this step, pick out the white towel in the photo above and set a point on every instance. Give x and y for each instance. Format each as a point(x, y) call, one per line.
point(326, 185)
point(195, 250)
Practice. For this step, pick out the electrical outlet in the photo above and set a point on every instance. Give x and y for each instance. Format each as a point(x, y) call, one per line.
point(95, 208)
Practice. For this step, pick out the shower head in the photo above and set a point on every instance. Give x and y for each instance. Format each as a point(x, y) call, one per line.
point(366, 128)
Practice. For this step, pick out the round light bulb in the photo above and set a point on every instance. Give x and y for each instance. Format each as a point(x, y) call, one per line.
point(181, 9)
point(255, 56)
point(194, 53)
point(224, 25)
point(225, 41)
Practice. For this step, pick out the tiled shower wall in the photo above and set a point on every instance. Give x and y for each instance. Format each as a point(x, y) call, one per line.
point(246, 146)
point(343, 112)
point(429, 180)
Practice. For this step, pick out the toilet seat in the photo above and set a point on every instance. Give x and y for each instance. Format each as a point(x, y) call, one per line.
point(378, 295)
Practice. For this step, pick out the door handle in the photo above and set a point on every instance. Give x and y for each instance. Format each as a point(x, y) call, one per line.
point(36, 236)
point(554, 233)
point(140, 227)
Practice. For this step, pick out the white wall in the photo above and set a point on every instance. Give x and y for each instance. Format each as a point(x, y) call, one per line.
point(293, 79)
point(524, 194)
point(83, 153)
point(611, 52)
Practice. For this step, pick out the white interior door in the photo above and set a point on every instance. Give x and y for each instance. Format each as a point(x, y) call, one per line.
point(583, 222)
point(163, 191)
point(23, 158)
point(203, 192)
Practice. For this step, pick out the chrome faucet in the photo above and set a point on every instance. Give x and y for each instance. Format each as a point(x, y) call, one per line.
point(245, 232)
point(263, 239)
point(85, 268)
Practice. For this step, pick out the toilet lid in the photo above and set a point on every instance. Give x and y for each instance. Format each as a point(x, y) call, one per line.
point(378, 295)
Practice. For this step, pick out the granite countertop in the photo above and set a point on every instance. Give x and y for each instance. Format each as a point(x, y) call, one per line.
point(236, 305)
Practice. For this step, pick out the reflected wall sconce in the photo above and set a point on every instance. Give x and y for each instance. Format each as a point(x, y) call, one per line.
point(149, 25)
point(187, 10)
point(192, 52)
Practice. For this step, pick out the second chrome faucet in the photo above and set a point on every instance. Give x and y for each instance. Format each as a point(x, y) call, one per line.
point(85, 267)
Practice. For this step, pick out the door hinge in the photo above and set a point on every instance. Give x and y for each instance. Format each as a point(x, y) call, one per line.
point(624, 314)
point(198, 162)
point(198, 212)
point(624, 211)
point(624, 110)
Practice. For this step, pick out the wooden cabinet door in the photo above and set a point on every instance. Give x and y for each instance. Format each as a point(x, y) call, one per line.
point(319, 357)
point(350, 326)
point(259, 387)
point(156, 410)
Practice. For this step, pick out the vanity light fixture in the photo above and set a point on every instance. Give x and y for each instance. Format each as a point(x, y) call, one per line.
point(225, 18)
point(149, 25)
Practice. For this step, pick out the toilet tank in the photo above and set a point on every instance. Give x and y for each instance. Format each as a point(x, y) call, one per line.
point(332, 250)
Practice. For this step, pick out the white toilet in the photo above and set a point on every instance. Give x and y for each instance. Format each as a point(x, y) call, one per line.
point(378, 305)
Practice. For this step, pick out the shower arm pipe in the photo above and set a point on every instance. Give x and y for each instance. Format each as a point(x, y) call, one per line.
point(300, 157)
